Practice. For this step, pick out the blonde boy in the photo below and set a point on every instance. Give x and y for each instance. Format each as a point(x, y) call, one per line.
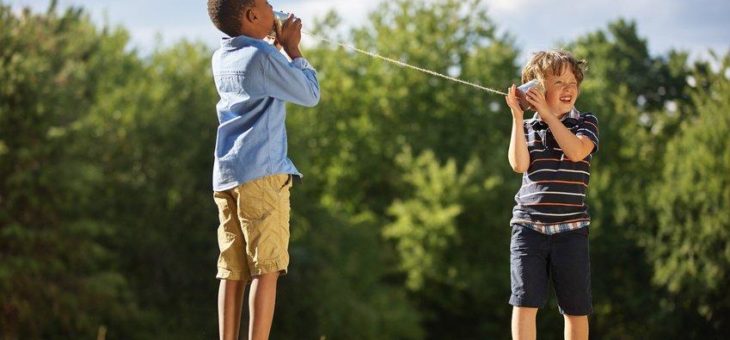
point(553, 151)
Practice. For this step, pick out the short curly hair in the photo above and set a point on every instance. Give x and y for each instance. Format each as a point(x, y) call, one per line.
point(227, 14)
point(552, 62)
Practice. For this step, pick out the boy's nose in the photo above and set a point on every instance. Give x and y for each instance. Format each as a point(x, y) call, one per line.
point(569, 90)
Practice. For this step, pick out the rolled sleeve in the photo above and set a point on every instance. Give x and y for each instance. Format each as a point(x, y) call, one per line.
point(294, 81)
point(589, 127)
point(303, 64)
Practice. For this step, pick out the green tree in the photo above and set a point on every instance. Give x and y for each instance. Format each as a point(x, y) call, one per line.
point(155, 131)
point(58, 275)
point(454, 255)
point(691, 248)
point(371, 112)
point(400, 228)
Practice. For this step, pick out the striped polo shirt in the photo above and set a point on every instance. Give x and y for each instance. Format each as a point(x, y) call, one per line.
point(553, 192)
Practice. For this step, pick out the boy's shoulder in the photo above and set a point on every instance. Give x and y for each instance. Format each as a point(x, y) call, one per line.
point(250, 47)
point(263, 47)
point(535, 123)
point(243, 52)
point(265, 53)
point(589, 116)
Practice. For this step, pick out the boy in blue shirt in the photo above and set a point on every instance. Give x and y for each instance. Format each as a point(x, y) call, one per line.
point(252, 173)
point(553, 151)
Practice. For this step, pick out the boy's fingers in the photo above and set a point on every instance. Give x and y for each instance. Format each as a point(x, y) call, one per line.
point(288, 21)
point(291, 20)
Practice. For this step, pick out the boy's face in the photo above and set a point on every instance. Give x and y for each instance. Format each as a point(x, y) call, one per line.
point(264, 18)
point(561, 91)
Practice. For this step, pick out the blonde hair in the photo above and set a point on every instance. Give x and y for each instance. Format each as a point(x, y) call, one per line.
point(544, 63)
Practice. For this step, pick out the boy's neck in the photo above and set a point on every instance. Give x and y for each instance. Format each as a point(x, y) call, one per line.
point(559, 117)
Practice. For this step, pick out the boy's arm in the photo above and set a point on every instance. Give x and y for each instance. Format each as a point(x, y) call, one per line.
point(294, 81)
point(575, 147)
point(519, 157)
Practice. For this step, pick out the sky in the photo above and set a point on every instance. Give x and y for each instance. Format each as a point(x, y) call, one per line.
point(691, 25)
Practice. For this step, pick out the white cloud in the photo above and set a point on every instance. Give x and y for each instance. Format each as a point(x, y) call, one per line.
point(509, 6)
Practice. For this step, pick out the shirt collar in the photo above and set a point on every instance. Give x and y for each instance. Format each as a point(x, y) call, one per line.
point(238, 42)
point(573, 114)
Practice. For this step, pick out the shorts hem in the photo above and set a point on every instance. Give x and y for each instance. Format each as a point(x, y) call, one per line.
point(578, 313)
point(271, 266)
point(226, 274)
point(520, 302)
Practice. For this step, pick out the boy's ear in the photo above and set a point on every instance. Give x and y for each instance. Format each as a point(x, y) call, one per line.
point(249, 14)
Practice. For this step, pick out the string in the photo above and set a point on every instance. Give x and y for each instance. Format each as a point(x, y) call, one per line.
point(405, 65)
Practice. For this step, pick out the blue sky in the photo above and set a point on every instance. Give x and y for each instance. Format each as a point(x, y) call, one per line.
point(695, 26)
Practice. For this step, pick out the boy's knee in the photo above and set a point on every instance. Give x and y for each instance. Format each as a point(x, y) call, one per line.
point(272, 276)
point(575, 318)
point(525, 311)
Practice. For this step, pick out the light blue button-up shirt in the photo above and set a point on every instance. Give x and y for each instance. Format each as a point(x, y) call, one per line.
point(254, 80)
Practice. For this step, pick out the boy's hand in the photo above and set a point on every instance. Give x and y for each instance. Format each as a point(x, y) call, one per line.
point(537, 99)
point(513, 103)
point(289, 36)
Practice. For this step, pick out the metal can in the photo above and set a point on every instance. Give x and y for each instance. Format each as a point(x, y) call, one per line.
point(279, 18)
point(522, 90)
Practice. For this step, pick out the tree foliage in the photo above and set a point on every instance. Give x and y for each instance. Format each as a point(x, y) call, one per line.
point(400, 226)
point(57, 264)
point(690, 251)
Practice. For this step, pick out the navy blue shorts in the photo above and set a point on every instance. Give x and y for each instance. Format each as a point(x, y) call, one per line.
point(537, 259)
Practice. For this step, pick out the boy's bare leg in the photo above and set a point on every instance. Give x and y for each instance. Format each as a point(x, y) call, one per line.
point(261, 302)
point(524, 323)
point(230, 303)
point(576, 327)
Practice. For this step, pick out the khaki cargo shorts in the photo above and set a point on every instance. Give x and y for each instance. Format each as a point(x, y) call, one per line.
point(253, 236)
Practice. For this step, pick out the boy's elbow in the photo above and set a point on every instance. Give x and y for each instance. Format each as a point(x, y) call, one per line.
point(313, 100)
point(519, 169)
point(575, 157)
point(519, 166)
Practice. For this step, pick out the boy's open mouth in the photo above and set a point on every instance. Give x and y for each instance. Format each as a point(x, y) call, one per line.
point(566, 99)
